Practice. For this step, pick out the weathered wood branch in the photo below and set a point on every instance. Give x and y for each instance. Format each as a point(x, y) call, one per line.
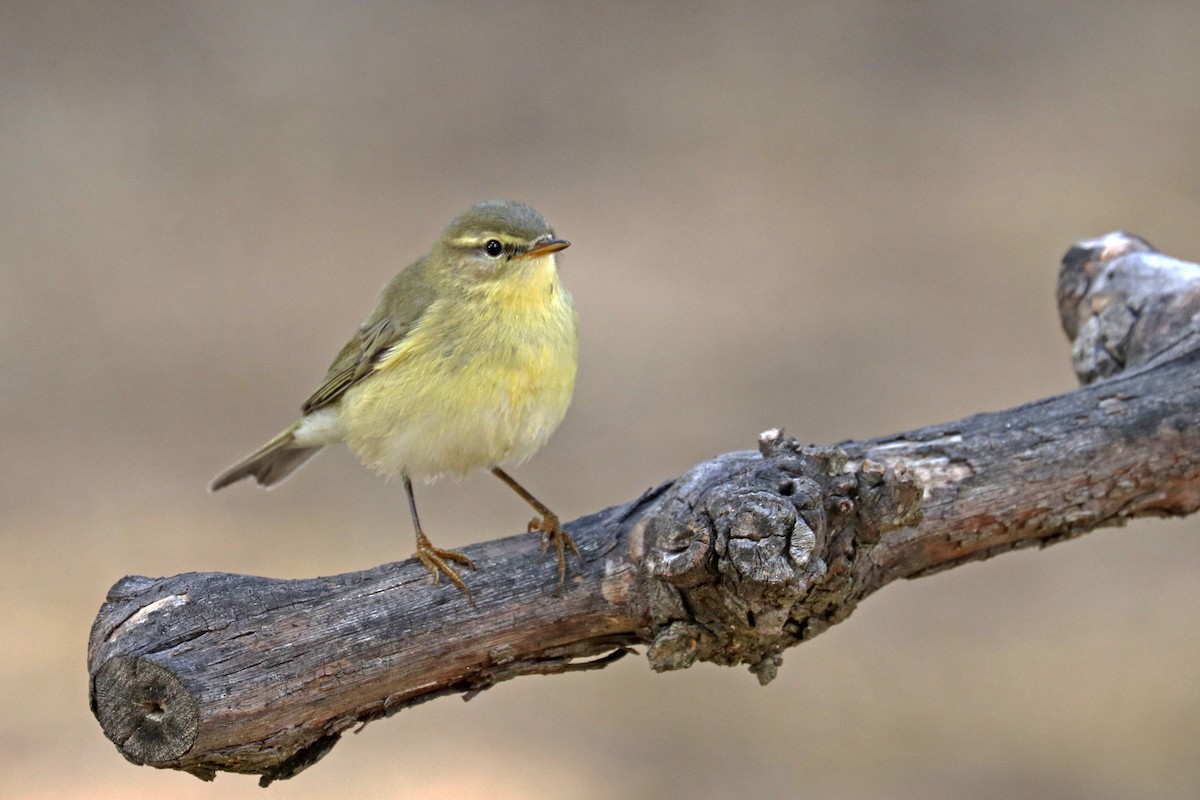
point(736, 560)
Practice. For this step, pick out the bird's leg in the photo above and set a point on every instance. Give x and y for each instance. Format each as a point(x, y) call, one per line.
point(552, 530)
point(435, 560)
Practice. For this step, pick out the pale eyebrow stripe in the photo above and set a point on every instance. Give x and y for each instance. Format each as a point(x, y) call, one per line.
point(477, 241)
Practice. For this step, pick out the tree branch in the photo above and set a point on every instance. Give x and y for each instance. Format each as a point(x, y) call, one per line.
point(732, 562)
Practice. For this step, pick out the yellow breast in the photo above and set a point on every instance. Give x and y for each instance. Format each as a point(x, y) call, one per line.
point(482, 380)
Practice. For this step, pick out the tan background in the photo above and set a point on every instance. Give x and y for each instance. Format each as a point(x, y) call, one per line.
point(840, 218)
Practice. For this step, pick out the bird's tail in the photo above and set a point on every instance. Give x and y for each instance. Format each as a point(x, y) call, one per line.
point(270, 464)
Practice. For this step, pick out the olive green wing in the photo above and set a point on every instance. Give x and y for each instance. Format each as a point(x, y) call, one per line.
point(356, 361)
point(401, 305)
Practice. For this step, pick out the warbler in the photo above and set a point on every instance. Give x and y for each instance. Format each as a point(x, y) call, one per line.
point(468, 361)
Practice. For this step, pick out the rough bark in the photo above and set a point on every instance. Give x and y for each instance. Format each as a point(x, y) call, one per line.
point(732, 562)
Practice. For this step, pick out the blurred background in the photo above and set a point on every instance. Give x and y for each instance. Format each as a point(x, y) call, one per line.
point(843, 219)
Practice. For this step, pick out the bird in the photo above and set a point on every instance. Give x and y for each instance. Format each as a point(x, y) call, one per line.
point(468, 362)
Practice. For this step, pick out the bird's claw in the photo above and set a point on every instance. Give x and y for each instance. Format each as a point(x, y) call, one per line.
point(552, 531)
point(437, 562)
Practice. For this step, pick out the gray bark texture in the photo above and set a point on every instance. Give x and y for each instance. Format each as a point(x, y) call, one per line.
point(733, 562)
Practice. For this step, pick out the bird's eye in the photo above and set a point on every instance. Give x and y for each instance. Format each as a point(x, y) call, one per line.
point(493, 248)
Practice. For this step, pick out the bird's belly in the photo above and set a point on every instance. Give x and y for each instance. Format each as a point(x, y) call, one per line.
point(430, 414)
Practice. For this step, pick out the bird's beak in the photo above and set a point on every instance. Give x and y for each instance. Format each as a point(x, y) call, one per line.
point(546, 247)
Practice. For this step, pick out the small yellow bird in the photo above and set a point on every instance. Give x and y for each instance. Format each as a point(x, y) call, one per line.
point(468, 361)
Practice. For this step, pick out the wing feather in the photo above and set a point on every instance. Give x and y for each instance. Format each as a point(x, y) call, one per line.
point(356, 361)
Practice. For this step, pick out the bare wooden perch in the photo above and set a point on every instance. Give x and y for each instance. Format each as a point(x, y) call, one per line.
point(738, 559)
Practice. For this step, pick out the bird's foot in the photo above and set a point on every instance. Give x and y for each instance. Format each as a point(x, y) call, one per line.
point(437, 561)
point(552, 531)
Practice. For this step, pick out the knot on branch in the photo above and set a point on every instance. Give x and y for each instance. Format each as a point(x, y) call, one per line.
point(1123, 304)
point(762, 556)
